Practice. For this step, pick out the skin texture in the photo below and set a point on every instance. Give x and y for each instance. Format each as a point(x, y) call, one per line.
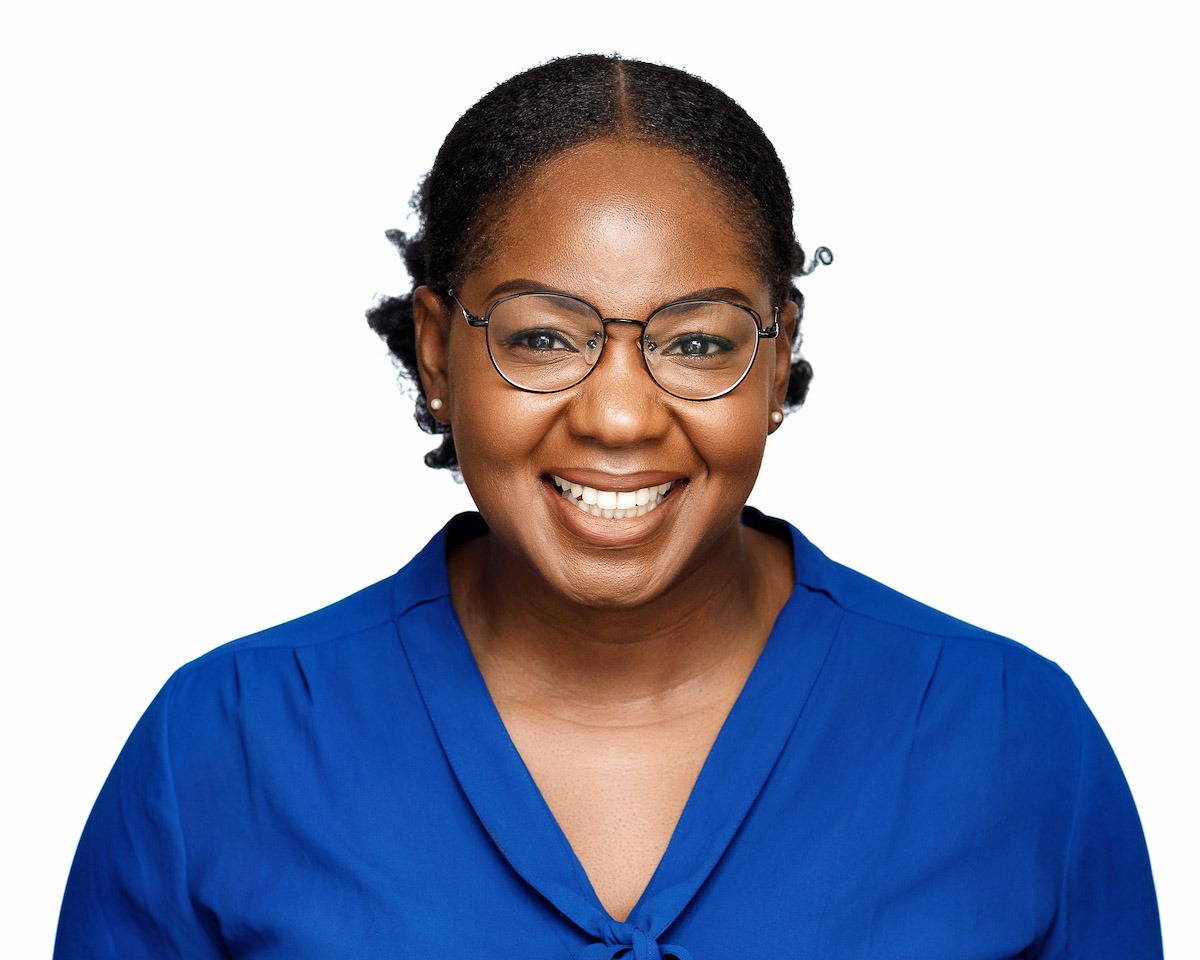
point(614, 649)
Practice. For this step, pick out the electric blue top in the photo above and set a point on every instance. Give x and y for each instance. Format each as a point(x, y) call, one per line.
point(890, 783)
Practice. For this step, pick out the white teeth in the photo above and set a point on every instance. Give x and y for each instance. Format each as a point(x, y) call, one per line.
point(613, 504)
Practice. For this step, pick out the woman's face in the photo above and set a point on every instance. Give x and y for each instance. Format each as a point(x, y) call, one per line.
point(629, 228)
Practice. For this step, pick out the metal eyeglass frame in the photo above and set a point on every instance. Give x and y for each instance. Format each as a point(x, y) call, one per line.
point(769, 333)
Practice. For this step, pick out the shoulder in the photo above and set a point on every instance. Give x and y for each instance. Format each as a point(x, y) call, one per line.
point(871, 607)
point(360, 619)
point(967, 713)
point(358, 622)
point(339, 658)
point(898, 650)
point(360, 612)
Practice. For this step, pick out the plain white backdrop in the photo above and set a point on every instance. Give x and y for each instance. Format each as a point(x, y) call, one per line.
point(201, 436)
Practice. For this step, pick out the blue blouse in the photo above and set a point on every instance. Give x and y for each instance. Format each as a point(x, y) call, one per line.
point(891, 783)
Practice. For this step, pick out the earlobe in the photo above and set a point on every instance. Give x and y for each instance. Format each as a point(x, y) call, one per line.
point(431, 324)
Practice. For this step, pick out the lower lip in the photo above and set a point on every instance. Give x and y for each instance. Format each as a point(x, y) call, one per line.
point(608, 531)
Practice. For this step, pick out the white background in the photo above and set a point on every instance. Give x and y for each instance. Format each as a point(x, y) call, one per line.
point(201, 436)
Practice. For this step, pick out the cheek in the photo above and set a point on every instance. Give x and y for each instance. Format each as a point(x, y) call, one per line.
point(496, 427)
point(731, 440)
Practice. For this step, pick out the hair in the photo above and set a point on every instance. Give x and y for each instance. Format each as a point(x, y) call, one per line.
point(501, 141)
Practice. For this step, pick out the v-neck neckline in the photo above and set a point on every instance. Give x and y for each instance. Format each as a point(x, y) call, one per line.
point(497, 784)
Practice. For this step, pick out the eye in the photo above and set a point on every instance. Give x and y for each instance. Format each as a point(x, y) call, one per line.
point(697, 345)
point(539, 340)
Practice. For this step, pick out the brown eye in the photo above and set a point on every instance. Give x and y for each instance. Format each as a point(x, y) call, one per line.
point(541, 341)
point(698, 345)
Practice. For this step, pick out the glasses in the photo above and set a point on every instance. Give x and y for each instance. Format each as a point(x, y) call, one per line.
point(693, 349)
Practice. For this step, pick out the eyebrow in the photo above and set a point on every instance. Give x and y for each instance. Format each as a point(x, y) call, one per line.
point(524, 285)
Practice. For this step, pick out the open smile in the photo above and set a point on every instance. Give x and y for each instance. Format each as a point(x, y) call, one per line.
point(613, 504)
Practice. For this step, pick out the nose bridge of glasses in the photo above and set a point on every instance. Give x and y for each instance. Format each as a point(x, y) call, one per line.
point(618, 330)
point(635, 327)
point(618, 395)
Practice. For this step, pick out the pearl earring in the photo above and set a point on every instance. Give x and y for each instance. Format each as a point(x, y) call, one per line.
point(776, 417)
point(435, 403)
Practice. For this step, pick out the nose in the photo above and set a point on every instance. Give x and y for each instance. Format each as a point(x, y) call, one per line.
point(618, 404)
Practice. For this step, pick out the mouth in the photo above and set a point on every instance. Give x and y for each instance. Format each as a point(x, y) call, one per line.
point(613, 504)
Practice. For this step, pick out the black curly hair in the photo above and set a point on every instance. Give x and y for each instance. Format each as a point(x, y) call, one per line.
point(497, 145)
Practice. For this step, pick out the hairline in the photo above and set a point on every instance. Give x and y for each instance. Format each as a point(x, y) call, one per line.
point(749, 222)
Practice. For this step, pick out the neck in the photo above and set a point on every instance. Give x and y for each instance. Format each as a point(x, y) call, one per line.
point(542, 647)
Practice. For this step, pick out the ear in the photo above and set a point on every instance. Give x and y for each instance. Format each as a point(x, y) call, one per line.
point(783, 353)
point(431, 323)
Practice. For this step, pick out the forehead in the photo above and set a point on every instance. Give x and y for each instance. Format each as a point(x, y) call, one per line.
point(626, 225)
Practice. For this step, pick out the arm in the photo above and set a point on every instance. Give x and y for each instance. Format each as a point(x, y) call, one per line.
point(1107, 908)
point(127, 895)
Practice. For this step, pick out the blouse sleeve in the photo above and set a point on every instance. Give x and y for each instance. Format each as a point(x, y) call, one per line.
point(127, 893)
point(1108, 909)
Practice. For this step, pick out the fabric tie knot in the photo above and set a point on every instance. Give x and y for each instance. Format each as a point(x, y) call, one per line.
point(623, 941)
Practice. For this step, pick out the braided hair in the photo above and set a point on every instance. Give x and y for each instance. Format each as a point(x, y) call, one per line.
point(500, 142)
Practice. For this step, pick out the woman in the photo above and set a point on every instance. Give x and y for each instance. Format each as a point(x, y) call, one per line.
point(616, 713)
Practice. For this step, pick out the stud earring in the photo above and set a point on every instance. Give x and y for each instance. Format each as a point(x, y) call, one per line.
point(776, 417)
point(435, 403)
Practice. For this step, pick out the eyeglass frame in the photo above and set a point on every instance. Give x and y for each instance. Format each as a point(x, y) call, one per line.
point(770, 333)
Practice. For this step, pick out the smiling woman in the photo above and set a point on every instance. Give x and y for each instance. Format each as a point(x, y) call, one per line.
point(616, 713)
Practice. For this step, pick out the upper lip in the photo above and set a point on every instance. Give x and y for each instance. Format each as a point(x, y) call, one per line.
point(601, 480)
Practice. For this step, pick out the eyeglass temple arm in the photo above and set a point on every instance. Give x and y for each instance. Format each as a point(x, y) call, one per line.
point(471, 319)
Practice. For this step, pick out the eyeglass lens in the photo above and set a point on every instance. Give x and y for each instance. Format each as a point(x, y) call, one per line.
point(693, 349)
